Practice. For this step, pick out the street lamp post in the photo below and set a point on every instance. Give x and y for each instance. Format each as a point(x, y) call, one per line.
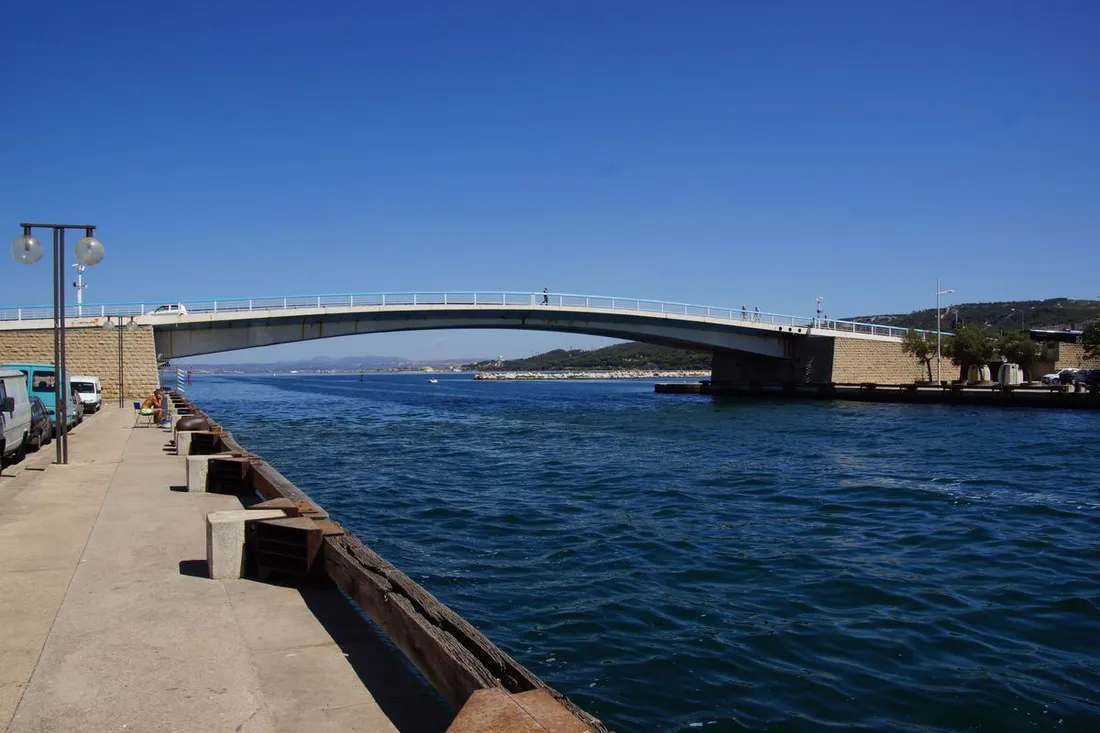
point(88, 251)
point(80, 285)
point(109, 324)
point(939, 357)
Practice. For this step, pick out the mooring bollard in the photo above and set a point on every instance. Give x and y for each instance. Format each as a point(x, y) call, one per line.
point(198, 470)
point(184, 429)
point(225, 535)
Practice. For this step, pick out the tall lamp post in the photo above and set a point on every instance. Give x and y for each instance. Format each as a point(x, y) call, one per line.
point(88, 251)
point(109, 324)
point(80, 285)
point(939, 357)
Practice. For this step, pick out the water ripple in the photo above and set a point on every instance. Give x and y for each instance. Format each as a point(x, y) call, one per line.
point(679, 564)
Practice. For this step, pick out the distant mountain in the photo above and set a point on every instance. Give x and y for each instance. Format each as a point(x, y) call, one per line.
point(1053, 313)
point(331, 363)
point(618, 356)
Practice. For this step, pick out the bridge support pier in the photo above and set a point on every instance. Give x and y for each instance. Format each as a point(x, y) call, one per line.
point(734, 366)
point(821, 359)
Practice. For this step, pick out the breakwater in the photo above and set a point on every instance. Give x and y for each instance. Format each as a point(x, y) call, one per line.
point(595, 374)
point(466, 669)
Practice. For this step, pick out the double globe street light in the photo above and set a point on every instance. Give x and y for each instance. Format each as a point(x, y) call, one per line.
point(88, 252)
point(108, 325)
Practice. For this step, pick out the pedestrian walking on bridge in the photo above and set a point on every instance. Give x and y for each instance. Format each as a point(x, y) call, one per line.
point(546, 295)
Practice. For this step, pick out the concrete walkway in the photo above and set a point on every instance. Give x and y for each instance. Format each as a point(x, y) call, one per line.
point(108, 623)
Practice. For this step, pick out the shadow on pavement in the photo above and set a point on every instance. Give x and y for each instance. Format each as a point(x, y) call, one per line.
point(410, 703)
point(194, 568)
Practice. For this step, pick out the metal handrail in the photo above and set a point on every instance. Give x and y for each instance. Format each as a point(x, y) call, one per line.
point(464, 298)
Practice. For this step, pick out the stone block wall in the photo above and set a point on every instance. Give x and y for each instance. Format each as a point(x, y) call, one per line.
point(882, 362)
point(828, 359)
point(1058, 356)
point(1072, 356)
point(92, 350)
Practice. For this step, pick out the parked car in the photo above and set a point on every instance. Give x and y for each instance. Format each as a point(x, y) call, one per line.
point(41, 425)
point(15, 416)
point(169, 309)
point(1066, 376)
point(1089, 377)
point(1051, 379)
point(89, 391)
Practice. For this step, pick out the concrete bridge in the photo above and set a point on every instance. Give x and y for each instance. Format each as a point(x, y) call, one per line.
point(747, 344)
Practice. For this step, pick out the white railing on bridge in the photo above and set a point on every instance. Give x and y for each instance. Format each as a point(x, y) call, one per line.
point(435, 299)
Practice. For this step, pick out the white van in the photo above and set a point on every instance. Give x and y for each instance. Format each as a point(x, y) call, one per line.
point(15, 416)
point(88, 390)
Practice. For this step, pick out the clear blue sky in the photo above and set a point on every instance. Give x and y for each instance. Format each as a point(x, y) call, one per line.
point(709, 152)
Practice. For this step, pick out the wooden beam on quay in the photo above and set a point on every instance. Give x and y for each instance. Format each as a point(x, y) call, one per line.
point(456, 658)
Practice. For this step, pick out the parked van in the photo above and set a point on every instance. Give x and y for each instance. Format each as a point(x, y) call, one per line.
point(15, 416)
point(89, 391)
point(40, 380)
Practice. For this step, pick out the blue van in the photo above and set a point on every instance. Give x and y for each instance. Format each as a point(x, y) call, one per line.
point(40, 383)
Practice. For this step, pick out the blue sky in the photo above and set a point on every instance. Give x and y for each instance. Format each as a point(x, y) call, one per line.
point(707, 152)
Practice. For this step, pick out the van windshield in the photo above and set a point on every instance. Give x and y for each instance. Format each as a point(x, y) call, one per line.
point(43, 382)
point(84, 387)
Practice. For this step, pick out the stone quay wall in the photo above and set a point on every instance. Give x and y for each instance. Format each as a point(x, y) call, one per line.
point(92, 350)
point(881, 362)
point(828, 359)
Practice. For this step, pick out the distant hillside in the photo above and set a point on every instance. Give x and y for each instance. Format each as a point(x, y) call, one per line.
point(618, 356)
point(1053, 313)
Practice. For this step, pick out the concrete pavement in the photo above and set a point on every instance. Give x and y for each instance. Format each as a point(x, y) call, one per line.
point(109, 623)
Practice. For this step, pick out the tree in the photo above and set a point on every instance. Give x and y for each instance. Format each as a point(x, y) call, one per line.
point(918, 346)
point(1016, 347)
point(969, 347)
point(1091, 340)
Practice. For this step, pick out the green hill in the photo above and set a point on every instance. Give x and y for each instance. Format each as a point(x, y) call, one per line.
point(1053, 313)
point(618, 356)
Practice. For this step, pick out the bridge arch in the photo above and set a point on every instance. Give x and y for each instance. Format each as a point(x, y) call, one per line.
point(198, 334)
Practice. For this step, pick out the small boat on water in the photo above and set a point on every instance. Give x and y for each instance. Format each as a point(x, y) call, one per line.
point(433, 380)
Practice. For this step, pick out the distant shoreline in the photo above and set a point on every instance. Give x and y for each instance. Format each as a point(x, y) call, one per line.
point(491, 376)
point(315, 372)
point(593, 374)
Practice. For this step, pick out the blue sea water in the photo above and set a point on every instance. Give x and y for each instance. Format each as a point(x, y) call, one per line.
point(675, 563)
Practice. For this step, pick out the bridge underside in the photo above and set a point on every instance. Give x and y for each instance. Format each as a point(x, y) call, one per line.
point(209, 335)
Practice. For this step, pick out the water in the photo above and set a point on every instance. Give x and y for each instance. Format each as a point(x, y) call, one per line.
point(676, 564)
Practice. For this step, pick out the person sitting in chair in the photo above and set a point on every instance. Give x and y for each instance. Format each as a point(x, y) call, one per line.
point(151, 406)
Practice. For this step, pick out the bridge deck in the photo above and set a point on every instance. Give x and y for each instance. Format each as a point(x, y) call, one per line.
point(225, 309)
point(109, 624)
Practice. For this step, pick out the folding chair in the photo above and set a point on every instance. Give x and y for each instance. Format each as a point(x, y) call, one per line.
point(138, 416)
